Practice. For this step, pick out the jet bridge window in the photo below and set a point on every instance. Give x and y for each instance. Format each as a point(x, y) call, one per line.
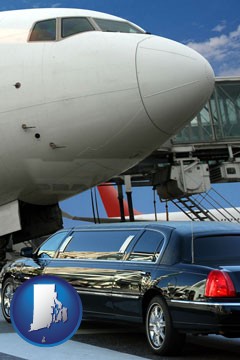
point(117, 26)
point(44, 31)
point(75, 25)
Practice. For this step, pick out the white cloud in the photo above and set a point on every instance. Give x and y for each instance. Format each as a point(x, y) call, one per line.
point(56, 5)
point(40, 4)
point(220, 27)
point(226, 70)
point(36, 5)
point(222, 51)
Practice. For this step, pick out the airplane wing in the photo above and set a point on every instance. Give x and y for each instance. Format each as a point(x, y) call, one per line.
point(89, 219)
point(98, 220)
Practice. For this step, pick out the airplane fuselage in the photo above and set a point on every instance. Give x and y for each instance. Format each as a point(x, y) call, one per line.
point(78, 110)
point(84, 96)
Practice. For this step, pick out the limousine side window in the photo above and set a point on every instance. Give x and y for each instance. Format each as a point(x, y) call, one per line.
point(222, 249)
point(147, 247)
point(100, 245)
point(50, 246)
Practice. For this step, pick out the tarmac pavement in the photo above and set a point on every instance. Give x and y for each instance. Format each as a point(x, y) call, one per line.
point(13, 347)
point(96, 341)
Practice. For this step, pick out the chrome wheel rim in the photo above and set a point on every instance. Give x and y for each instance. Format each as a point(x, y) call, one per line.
point(7, 298)
point(156, 326)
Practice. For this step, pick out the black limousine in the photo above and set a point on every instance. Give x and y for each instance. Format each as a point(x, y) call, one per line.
point(175, 277)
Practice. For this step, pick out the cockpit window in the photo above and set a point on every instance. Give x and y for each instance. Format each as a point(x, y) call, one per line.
point(75, 25)
point(117, 26)
point(60, 28)
point(44, 31)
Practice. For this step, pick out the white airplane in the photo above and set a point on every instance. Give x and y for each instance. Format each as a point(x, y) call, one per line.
point(110, 202)
point(84, 96)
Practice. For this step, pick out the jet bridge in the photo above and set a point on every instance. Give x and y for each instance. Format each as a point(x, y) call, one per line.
point(205, 151)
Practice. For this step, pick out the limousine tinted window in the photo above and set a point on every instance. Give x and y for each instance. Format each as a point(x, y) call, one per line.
point(51, 245)
point(102, 245)
point(147, 247)
point(216, 249)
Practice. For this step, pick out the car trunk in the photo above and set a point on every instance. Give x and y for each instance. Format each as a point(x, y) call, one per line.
point(234, 272)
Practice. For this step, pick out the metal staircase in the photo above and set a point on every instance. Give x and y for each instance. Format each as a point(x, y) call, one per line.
point(192, 209)
point(195, 207)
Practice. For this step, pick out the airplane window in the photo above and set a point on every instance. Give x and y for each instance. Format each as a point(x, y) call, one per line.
point(71, 26)
point(44, 31)
point(117, 26)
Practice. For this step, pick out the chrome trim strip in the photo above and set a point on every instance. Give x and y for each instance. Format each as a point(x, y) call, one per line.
point(94, 293)
point(126, 296)
point(82, 292)
point(65, 243)
point(112, 229)
point(204, 303)
point(107, 261)
point(125, 244)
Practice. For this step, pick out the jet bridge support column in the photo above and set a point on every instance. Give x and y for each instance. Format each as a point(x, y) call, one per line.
point(121, 203)
point(3, 249)
point(128, 185)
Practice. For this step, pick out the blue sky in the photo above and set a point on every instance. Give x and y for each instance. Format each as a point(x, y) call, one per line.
point(212, 27)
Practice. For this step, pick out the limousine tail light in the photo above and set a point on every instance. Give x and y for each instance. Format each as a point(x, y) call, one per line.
point(219, 284)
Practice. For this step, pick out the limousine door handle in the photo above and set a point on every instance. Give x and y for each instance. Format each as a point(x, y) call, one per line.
point(145, 273)
point(123, 282)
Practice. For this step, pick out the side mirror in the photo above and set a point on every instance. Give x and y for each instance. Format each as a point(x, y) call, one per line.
point(26, 252)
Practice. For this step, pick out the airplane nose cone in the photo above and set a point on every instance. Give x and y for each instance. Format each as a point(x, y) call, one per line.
point(174, 82)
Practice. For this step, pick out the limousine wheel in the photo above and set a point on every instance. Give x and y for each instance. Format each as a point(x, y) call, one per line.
point(161, 335)
point(7, 295)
